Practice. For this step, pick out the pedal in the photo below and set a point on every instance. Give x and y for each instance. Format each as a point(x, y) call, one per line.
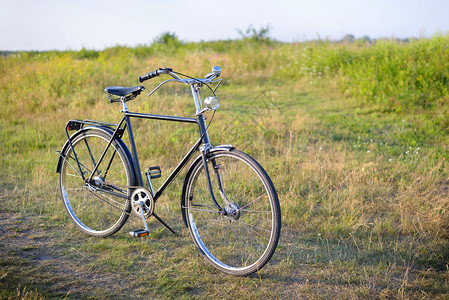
point(154, 172)
point(139, 232)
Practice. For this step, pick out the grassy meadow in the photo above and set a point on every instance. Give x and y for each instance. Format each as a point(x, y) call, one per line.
point(355, 137)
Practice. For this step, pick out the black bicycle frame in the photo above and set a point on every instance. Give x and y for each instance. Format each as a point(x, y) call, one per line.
point(204, 138)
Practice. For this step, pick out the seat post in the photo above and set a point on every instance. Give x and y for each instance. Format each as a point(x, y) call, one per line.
point(125, 107)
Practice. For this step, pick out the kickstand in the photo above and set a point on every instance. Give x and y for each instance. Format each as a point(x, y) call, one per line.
point(165, 224)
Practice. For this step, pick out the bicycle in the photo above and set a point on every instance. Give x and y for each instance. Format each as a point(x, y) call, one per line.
point(228, 202)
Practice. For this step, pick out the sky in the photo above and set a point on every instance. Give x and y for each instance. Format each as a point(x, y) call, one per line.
point(74, 24)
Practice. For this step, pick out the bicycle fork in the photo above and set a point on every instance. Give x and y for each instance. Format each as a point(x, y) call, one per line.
point(204, 151)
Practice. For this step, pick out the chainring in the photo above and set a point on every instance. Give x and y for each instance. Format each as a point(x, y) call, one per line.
point(142, 194)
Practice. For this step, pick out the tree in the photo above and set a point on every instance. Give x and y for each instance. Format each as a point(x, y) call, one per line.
point(167, 38)
point(252, 33)
point(366, 38)
point(349, 38)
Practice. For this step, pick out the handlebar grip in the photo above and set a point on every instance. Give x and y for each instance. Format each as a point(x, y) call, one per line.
point(155, 73)
point(149, 76)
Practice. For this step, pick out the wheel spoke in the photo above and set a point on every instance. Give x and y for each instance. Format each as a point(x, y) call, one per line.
point(241, 191)
point(252, 235)
point(255, 227)
point(249, 203)
point(244, 245)
point(81, 164)
point(257, 211)
point(75, 189)
point(198, 209)
point(77, 171)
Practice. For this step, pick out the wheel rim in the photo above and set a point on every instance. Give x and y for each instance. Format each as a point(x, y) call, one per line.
point(240, 238)
point(93, 211)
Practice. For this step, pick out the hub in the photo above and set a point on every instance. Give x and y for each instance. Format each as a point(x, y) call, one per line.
point(98, 181)
point(232, 211)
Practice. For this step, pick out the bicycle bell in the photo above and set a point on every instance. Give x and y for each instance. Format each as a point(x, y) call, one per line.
point(212, 102)
point(216, 70)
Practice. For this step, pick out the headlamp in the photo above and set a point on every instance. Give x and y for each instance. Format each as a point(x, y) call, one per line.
point(212, 102)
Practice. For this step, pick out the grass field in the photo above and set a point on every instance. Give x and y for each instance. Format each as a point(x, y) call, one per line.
point(355, 137)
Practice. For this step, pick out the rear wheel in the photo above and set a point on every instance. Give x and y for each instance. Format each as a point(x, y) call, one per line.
point(101, 206)
point(241, 238)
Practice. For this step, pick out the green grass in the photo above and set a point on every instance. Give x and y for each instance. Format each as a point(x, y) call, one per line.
point(355, 138)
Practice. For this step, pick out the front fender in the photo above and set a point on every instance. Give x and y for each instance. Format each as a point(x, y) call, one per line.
point(211, 150)
point(222, 147)
point(197, 161)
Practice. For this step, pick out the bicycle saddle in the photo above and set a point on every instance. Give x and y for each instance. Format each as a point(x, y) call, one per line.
point(123, 91)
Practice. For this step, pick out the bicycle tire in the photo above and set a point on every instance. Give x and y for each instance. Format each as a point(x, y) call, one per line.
point(94, 212)
point(242, 241)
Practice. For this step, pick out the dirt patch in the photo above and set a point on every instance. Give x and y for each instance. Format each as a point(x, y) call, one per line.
point(31, 256)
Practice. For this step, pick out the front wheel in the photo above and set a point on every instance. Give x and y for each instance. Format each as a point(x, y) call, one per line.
point(241, 237)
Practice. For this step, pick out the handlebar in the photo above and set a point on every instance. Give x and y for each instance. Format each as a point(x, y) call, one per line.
point(209, 78)
point(216, 71)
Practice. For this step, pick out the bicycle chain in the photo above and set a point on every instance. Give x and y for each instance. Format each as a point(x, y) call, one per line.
point(112, 205)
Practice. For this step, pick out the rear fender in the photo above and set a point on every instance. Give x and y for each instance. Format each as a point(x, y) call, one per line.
point(100, 128)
